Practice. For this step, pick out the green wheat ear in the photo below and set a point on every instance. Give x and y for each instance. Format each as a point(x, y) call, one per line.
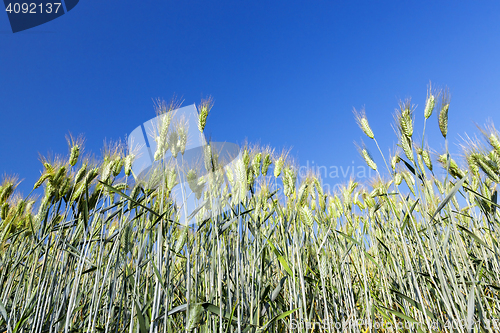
point(407, 148)
point(73, 157)
point(405, 118)
point(246, 157)
point(80, 173)
point(430, 103)
point(398, 178)
point(486, 165)
point(204, 109)
point(367, 156)
point(362, 121)
point(427, 159)
point(289, 180)
point(394, 161)
point(75, 145)
point(41, 180)
point(306, 216)
point(443, 114)
point(266, 163)
point(473, 166)
point(256, 164)
point(455, 171)
point(491, 135)
point(117, 166)
point(4, 211)
point(278, 167)
point(443, 120)
point(183, 138)
point(368, 159)
point(129, 159)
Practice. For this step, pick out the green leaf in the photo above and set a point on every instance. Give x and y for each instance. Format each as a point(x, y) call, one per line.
point(348, 237)
point(470, 308)
point(227, 225)
point(414, 303)
point(179, 308)
point(409, 166)
point(385, 315)
point(400, 315)
point(473, 235)
point(278, 288)
point(3, 312)
point(282, 260)
point(231, 318)
point(112, 189)
point(158, 219)
point(194, 212)
point(216, 311)
point(450, 195)
point(27, 311)
point(140, 317)
point(91, 269)
point(158, 275)
point(195, 311)
point(369, 256)
point(406, 219)
point(278, 317)
point(482, 197)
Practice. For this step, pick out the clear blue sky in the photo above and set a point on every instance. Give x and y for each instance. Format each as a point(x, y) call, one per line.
point(283, 73)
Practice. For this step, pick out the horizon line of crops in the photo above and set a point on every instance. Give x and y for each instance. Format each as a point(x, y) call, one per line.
point(100, 252)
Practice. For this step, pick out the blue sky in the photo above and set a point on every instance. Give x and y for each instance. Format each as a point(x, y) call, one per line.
point(282, 73)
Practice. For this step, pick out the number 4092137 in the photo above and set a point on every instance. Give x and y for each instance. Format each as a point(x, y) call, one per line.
point(33, 8)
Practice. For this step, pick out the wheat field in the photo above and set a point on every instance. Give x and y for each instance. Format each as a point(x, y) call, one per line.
point(410, 251)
